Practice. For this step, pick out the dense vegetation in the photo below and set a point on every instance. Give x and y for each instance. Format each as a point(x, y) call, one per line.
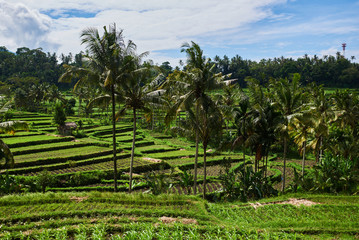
point(135, 127)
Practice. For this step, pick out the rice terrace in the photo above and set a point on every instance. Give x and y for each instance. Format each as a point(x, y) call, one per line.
point(105, 144)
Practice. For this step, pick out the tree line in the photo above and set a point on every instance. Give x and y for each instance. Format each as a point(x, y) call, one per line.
point(28, 67)
point(331, 71)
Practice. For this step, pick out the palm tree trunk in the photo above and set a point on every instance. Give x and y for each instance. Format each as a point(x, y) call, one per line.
point(204, 170)
point(267, 153)
point(284, 163)
point(303, 163)
point(195, 165)
point(321, 149)
point(133, 148)
point(258, 157)
point(196, 156)
point(80, 102)
point(114, 137)
point(153, 119)
point(244, 147)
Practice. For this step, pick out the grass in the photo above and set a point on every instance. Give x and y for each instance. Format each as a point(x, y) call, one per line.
point(95, 215)
point(172, 154)
point(106, 165)
point(22, 139)
point(18, 134)
point(137, 216)
point(61, 153)
point(46, 147)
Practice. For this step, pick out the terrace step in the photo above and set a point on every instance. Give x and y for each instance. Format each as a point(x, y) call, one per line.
point(140, 144)
point(123, 134)
point(129, 140)
point(28, 115)
point(35, 124)
point(36, 119)
point(17, 135)
point(54, 160)
point(163, 137)
point(106, 132)
point(49, 148)
point(67, 164)
point(156, 150)
point(103, 129)
point(38, 142)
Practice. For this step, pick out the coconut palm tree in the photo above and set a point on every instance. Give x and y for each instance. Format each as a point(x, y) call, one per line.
point(287, 97)
point(194, 85)
point(321, 107)
point(301, 127)
point(9, 127)
point(106, 65)
point(226, 101)
point(241, 120)
point(347, 109)
point(140, 94)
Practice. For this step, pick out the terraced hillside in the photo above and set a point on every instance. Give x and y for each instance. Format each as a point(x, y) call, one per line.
point(94, 215)
point(91, 157)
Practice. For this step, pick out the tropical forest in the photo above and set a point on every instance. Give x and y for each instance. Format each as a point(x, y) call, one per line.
point(106, 144)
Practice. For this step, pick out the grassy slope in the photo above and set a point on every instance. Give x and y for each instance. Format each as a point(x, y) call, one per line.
point(140, 214)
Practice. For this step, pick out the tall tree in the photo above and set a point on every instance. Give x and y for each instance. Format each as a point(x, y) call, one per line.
point(301, 127)
point(241, 121)
point(140, 94)
point(288, 100)
point(105, 64)
point(194, 84)
point(322, 108)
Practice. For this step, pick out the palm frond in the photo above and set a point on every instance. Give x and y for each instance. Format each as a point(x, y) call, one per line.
point(12, 126)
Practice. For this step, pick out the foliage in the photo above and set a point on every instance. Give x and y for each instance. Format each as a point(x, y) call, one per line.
point(159, 182)
point(333, 71)
point(6, 116)
point(69, 105)
point(44, 179)
point(59, 114)
point(245, 184)
point(79, 133)
point(334, 174)
point(9, 184)
point(186, 180)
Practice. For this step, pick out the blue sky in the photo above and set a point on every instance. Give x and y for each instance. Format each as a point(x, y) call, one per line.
point(253, 29)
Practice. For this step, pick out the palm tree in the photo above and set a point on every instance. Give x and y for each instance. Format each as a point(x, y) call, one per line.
point(301, 126)
point(288, 100)
point(194, 84)
point(9, 127)
point(226, 101)
point(138, 94)
point(105, 65)
point(321, 107)
point(210, 121)
point(347, 109)
point(241, 116)
point(53, 94)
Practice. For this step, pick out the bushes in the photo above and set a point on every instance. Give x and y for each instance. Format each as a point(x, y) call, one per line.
point(9, 184)
point(244, 184)
point(59, 115)
point(333, 175)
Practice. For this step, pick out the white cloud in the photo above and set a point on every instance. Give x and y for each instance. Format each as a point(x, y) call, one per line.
point(153, 25)
point(22, 26)
point(160, 25)
point(329, 52)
